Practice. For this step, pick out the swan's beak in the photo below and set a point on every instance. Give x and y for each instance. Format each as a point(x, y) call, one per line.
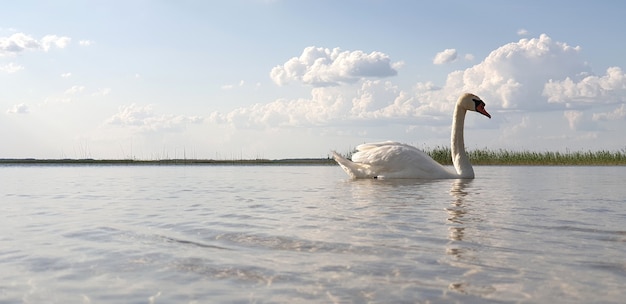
point(481, 109)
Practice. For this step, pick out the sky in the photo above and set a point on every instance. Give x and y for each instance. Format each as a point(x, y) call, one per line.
point(274, 79)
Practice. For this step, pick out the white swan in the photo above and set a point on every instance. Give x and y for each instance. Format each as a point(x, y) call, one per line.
point(395, 160)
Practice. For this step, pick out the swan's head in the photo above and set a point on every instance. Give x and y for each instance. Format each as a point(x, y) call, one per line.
point(472, 102)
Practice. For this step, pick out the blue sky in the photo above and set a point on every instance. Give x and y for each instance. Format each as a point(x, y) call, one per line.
point(284, 79)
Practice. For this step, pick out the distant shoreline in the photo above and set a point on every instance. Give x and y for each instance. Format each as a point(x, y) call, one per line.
point(89, 161)
point(478, 157)
point(263, 162)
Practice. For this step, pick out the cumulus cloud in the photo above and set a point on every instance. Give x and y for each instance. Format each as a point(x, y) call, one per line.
point(515, 74)
point(608, 88)
point(445, 56)
point(573, 118)
point(325, 104)
point(17, 43)
point(11, 68)
point(374, 99)
point(582, 121)
point(50, 41)
point(18, 109)
point(617, 114)
point(320, 67)
point(20, 42)
point(144, 118)
point(523, 32)
point(526, 75)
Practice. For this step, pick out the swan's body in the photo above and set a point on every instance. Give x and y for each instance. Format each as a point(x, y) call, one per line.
point(395, 160)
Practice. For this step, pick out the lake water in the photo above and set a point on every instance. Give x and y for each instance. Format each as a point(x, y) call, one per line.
point(308, 234)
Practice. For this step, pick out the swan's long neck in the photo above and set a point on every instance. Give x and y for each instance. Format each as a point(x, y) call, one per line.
point(459, 157)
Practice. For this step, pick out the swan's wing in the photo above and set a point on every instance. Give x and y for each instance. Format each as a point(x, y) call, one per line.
point(372, 146)
point(397, 160)
point(391, 155)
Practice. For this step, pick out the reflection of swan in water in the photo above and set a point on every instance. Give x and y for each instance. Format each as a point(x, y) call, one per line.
point(395, 160)
point(464, 255)
point(457, 210)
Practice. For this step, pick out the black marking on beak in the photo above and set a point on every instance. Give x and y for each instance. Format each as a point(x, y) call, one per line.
point(477, 102)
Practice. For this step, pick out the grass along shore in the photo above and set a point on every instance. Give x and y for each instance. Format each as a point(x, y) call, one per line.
point(532, 158)
point(478, 157)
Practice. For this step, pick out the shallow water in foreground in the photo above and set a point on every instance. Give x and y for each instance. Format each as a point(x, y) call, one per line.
point(198, 234)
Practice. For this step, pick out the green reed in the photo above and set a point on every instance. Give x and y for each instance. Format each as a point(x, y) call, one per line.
point(504, 157)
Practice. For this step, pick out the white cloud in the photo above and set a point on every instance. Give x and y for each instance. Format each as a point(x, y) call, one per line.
point(74, 90)
point(85, 42)
point(374, 99)
point(232, 86)
point(582, 121)
point(143, 118)
point(325, 105)
point(617, 114)
point(373, 96)
point(519, 76)
point(18, 109)
point(17, 43)
point(523, 32)
point(445, 56)
point(49, 41)
point(608, 88)
point(573, 118)
point(325, 67)
point(514, 74)
point(20, 42)
point(66, 75)
point(11, 68)
point(68, 96)
point(469, 57)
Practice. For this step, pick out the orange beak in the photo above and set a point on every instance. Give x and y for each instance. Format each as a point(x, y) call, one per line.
point(481, 109)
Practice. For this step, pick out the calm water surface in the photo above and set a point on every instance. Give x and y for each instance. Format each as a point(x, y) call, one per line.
point(297, 234)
